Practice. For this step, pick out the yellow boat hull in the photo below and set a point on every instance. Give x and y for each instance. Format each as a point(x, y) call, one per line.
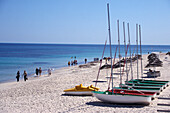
point(81, 90)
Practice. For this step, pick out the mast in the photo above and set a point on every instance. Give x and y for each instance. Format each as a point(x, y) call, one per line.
point(137, 48)
point(141, 50)
point(125, 50)
point(110, 44)
point(119, 52)
point(130, 51)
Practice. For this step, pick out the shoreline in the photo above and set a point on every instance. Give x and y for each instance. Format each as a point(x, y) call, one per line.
point(32, 76)
point(44, 72)
point(45, 94)
point(56, 62)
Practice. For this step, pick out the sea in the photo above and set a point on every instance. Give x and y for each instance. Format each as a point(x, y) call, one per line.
point(20, 56)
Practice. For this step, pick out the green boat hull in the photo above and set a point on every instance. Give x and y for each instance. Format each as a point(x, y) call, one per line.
point(146, 83)
point(142, 87)
point(151, 81)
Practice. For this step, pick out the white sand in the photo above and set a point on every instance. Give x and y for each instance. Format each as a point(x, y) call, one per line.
point(44, 94)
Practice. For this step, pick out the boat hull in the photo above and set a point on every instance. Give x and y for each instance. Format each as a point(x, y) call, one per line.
point(145, 90)
point(122, 99)
point(135, 92)
point(167, 83)
point(152, 80)
point(137, 86)
point(145, 84)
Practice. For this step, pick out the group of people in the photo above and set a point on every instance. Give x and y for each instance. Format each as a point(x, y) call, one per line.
point(74, 62)
point(24, 74)
point(38, 72)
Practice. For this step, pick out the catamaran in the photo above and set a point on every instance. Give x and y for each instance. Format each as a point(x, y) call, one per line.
point(141, 82)
point(141, 87)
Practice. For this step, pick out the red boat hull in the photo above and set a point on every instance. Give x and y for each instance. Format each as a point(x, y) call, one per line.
point(133, 92)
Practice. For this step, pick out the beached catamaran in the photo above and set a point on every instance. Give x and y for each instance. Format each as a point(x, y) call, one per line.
point(136, 83)
point(142, 87)
point(121, 96)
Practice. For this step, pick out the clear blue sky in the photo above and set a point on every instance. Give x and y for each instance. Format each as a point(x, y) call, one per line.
point(82, 21)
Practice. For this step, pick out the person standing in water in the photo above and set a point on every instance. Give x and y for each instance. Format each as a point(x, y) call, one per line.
point(68, 63)
point(25, 75)
point(36, 71)
point(40, 71)
point(49, 72)
point(18, 76)
point(85, 60)
point(106, 60)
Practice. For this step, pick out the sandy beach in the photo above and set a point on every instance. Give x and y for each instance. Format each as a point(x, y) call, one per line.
point(45, 94)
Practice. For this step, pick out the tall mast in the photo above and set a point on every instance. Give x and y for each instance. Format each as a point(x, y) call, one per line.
point(137, 48)
point(125, 50)
point(130, 51)
point(119, 52)
point(110, 44)
point(141, 50)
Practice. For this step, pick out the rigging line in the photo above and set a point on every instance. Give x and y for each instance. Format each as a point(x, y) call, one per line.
point(125, 48)
point(132, 62)
point(133, 51)
point(112, 68)
point(130, 50)
point(100, 63)
point(140, 50)
point(125, 61)
point(119, 50)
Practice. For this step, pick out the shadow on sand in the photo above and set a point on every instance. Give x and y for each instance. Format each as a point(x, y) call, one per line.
point(99, 81)
point(163, 98)
point(103, 104)
point(116, 73)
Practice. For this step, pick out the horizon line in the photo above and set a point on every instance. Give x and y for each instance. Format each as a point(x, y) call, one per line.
point(71, 43)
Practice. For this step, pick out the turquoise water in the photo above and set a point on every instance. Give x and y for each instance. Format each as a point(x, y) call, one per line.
point(14, 57)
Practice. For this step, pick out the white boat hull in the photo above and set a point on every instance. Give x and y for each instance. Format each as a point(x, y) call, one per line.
point(126, 99)
point(79, 93)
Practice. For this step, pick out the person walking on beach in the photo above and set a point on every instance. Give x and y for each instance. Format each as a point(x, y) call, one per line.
point(18, 76)
point(40, 71)
point(36, 71)
point(49, 72)
point(68, 63)
point(72, 62)
point(25, 75)
point(85, 60)
point(75, 62)
point(106, 60)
